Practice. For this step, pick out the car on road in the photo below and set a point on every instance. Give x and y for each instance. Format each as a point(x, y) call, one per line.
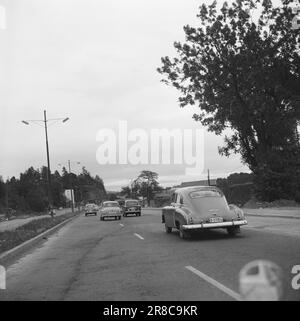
point(91, 209)
point(194, 209)
point(131, 207)
point(110, 209)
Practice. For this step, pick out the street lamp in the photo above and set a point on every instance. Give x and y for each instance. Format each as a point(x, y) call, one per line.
point(45, 121)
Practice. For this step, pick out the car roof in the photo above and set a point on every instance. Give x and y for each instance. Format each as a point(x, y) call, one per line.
point(131, 200)
point(186, 190)
point(110, 202)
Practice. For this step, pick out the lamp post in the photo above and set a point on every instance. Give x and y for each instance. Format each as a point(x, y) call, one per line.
point(45, 121)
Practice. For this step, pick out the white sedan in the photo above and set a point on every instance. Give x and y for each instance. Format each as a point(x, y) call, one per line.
point(110, 209)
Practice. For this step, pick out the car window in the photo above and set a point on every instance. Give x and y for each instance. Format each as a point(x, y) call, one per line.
point(111, 204)
point(205, 193)
point(132, 203)
point(178, 198)
point(173, 198)
point(181, 199)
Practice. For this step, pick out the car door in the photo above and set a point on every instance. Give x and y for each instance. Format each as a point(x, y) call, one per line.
point(179, 214)
point(169, 212)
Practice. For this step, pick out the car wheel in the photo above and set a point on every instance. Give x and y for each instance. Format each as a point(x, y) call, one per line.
point(233, 231)
point(168, 229)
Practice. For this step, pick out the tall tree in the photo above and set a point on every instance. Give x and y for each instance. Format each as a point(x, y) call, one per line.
point(146, 184)
point(245, 75)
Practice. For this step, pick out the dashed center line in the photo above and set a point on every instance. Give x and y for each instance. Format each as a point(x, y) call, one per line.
point(139, 236)
point(215, 283)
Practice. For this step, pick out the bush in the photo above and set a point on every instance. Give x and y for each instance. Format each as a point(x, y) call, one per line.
point(10, 239)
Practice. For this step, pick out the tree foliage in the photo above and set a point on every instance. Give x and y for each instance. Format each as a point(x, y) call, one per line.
point(145, 185)
point(29, 192)
point(244, 75)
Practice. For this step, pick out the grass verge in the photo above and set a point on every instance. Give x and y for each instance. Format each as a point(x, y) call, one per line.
point(11, 239)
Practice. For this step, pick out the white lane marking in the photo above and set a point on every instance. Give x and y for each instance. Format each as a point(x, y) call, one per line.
point(122, 224)
point(215, 283)
point(139, 236)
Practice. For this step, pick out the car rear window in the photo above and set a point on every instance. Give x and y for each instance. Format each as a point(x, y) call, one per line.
point(132, 203)
point(205, 193)
point(112, 204)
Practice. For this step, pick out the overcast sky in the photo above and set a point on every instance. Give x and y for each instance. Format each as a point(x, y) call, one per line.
point(93, 61)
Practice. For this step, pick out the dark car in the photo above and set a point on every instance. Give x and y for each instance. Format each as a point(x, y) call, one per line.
point(131, 207)
point(199, 208)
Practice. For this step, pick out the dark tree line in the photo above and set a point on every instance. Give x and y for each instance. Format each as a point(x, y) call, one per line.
point(29, 191)
point(244, 75)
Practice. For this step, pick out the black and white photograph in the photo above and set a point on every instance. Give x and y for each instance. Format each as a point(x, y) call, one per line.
point(150, 153)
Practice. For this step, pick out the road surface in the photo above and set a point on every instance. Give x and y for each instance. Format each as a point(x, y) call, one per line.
point(134, 259)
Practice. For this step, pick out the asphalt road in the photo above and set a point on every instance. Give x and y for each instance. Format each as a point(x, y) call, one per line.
point(134, 259)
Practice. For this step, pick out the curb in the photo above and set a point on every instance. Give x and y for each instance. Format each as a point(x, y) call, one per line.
point(15, 251)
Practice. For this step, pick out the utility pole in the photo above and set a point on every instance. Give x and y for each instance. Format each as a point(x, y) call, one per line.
point(72, 196)
point(48, 162)
point(208, 177)
point(70, 183)
point(46, 121)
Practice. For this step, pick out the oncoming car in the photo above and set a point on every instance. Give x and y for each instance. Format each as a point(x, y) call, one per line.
point(91, 209)
point(132, 207)
point(199, 208)
point(110, 209)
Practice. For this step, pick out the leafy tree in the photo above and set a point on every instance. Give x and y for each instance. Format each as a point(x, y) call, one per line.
point(112, 196)
point(245, 75)
point(126, 191)
point(29, 192)
point(146, 184)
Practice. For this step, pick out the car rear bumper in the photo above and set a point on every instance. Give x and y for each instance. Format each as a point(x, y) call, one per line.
point(110, 214)
point(214, 225)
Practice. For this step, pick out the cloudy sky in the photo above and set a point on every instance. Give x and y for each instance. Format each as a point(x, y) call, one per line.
point(93, 61)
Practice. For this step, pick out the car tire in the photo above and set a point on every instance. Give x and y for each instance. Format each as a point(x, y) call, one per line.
point(233, 231)
point(168, 229)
